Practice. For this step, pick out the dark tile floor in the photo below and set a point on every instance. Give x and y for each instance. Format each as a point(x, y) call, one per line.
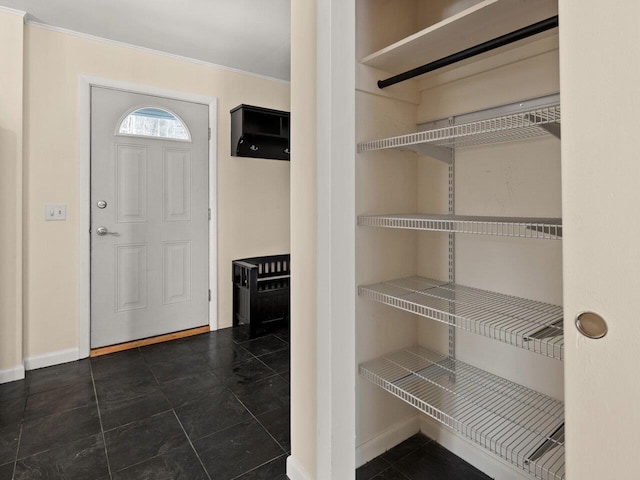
point(418, 458)
point(211, 407)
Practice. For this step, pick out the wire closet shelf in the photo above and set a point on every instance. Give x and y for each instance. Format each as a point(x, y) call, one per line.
point(523, 323)
point(516, 423)
point(519, 227)
point(507, 128)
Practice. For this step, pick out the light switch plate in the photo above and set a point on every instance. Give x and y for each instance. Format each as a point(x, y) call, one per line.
point(55, 211)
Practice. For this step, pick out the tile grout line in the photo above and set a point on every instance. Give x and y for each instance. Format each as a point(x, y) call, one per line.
point(170, 409)
point(15, 460)
point(260, 423)
point(26, 399)
point(38, 418)
point(160, 455)
point(258, 358)
point(393, 465)
point(239, 477)
point(191, 444)
point(148, 365)
point(235, 344)
point(104, 440)
point(252, 357)
point(250, 412)
point(173, 410)
point(226, 387)
point(392, 468)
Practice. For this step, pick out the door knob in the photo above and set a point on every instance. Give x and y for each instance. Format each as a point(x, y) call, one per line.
point(102, 231)
point(591, 325)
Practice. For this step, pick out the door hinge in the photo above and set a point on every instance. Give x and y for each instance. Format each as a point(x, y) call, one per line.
point(209, 214)
point(209, 294)
point(209, 133)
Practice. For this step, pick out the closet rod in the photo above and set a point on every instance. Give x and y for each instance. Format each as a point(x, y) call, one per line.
point(492, 44)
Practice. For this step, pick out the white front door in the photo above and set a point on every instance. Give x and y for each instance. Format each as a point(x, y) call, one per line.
point(149, 216)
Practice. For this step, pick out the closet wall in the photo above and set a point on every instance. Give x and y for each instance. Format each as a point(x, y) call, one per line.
point(512, 179)
point(385, 182)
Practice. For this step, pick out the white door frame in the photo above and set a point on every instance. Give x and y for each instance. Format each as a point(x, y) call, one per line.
point(84, 241)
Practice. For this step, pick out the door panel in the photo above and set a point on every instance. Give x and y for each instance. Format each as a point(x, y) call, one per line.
point(600, 74)
point(177, 272)
point(177, 185)
point(131, 183)
point(131, 277)
point(149, 273)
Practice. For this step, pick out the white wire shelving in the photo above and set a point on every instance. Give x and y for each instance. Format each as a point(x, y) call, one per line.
point(524, 427)
point(516, 126)
point(520, 227)
point(523, 323)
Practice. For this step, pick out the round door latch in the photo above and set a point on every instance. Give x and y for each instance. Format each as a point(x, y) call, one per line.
point(591, 325)
point(102, 204)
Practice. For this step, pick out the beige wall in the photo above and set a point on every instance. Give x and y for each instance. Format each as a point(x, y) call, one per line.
point(303, 238)
point(11, 71)
point(511, 179)
point(253, 195)
point(385, 182)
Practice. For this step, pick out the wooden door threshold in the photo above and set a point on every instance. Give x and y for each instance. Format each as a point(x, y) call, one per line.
point(96, 352)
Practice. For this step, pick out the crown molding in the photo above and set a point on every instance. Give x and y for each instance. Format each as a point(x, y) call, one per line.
point(13, 11)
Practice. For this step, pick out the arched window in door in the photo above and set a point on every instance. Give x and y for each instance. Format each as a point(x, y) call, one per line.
point(154, 122)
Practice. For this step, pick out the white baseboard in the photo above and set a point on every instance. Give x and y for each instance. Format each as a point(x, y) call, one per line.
point(11, 374)
point(295, 470)
point(53, 358)
point(483, 460)
point(389, 438)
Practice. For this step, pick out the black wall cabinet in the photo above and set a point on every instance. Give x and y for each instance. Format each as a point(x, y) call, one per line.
point(259, 132)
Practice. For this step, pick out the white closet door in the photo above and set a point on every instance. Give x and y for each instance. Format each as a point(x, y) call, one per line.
point(600, 90)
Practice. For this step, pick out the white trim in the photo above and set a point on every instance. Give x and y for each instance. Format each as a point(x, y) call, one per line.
point(13, 11)
point(174, 56)
point(52, 358)
point(483, 460)
point(84, 218)
point(295, 470)
point(335, 266)
point(213, 205)
point(388, 439)
point(84, 249)
point(12, 374)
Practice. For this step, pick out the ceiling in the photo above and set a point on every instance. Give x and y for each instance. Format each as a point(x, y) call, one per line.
point(248, 35)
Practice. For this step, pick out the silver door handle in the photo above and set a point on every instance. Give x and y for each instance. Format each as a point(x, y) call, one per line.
point(102, 231)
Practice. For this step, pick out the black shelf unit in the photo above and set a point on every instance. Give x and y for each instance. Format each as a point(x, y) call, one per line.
point(259, 132)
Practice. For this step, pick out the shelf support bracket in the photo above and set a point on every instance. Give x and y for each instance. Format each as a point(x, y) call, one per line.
point(552, 128)
point(555, 439)
point(552, 330)
point(439, 153)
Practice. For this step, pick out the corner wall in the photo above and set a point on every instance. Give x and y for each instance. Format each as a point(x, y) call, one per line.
point(302, 462)
point(253, 194)
point(11, 81)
